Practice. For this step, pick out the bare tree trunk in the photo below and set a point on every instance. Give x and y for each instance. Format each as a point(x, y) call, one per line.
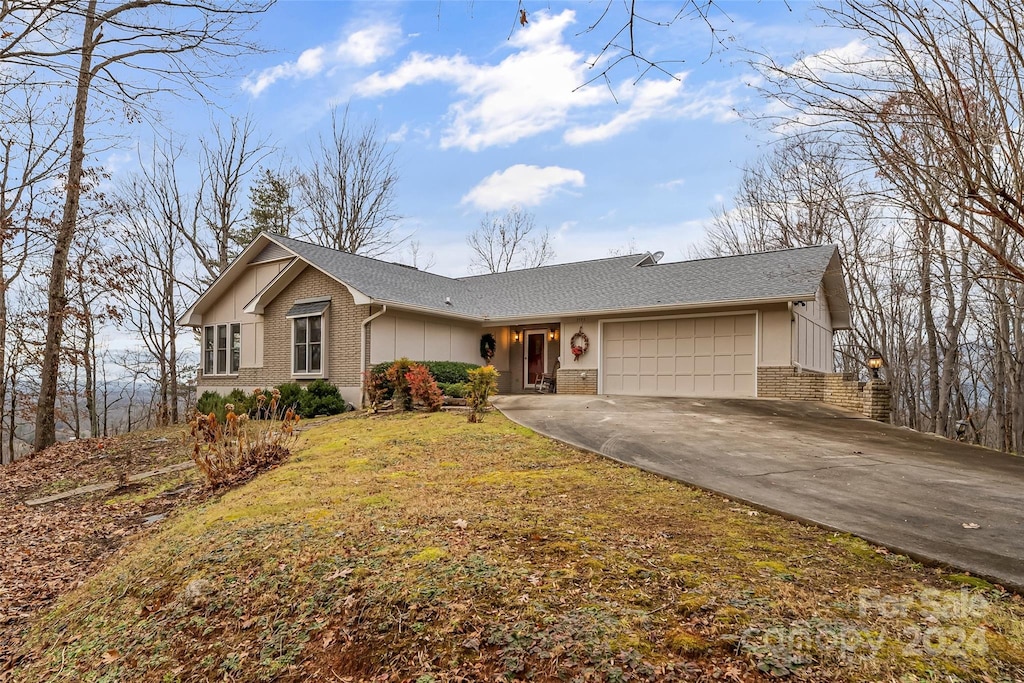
point(46, 431)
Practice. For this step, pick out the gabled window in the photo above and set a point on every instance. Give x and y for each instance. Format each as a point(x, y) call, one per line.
point(222, 349)
point(308, 343)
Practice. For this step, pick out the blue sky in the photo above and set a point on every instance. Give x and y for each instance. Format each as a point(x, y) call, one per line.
point(485, 113)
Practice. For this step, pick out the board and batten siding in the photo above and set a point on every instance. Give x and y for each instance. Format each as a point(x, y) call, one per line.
point(812, 334)
point(228, 309)
point(399, 335)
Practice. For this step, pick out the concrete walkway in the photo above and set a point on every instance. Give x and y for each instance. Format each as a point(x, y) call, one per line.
point(910, 492)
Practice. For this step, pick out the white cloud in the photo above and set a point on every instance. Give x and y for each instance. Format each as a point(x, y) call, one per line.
point(662, 99)
point(528, 92)
point(400, 134)
point(850, 57)
point(672, 184)
point(362, 47)
point(521, 185)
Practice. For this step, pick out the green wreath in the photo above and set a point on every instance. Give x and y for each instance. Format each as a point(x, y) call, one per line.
point(488, 345)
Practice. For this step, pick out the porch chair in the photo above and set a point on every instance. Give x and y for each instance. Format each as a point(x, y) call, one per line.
point(548, 380)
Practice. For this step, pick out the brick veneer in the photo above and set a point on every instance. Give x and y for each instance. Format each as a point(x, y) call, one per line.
point(877, 397)
point(570, 381)
point(342, 338)
point(843, 390)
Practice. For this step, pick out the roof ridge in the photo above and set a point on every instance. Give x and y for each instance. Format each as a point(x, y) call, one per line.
point(751, 253)
point(404, 266)
point(552, 265)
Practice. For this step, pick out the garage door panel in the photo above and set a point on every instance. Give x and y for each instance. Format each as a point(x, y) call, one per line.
point(724, 345)
point(703, 365)
point(713, 355)
point(724, 365)
point(704, 327)
point(744, 344)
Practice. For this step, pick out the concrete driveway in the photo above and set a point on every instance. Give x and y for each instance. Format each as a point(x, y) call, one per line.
point(893, 487)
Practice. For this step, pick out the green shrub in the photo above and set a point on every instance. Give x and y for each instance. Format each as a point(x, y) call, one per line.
point(483, 383)
point(320, 398)
point(449, 371)
point(457, 390)
point(291, 394)
point(212, 402)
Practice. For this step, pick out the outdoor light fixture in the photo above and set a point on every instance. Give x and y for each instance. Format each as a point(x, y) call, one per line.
point(551, 335)
point(515, 336)
point(874, 362)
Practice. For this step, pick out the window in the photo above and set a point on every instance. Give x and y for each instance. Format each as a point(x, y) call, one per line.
point(236, 347)
point(208, 351)
point(222, 349)
point(308, 335)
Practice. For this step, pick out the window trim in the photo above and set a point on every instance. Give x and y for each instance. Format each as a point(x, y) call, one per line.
point(315, 374)
point(211, 353)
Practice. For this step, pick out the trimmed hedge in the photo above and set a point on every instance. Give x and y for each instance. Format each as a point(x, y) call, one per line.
point(443, 371)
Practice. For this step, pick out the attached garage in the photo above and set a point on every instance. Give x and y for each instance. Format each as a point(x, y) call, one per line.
point(685, 356)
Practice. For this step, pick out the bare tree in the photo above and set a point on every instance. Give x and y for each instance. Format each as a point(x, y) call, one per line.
point(943, 72)
point(123, 53)
point(150, 206)
point(348, 190)
point(504, 242)
point(218, 228)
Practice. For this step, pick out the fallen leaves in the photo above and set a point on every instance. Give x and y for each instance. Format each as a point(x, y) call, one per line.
point(51, 549)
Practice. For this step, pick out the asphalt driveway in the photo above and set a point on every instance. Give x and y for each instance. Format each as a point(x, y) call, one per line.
point(893, 487)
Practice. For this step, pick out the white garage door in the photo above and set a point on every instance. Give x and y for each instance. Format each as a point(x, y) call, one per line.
point(712, 356)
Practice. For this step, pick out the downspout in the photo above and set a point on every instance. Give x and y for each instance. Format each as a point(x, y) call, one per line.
point(792, 334)
point(362, 347)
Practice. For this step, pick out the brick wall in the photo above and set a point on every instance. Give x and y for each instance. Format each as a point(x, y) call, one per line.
point(342, 339)
point(785, 382)
point(570, 381)
point(877, 400)
point(843, 390)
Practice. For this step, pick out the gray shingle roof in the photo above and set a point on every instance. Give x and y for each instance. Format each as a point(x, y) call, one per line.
point(587, 286)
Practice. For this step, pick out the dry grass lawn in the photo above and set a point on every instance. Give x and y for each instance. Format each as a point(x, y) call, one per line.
point(422, 548)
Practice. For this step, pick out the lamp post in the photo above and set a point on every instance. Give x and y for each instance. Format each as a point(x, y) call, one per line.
point(875, 363)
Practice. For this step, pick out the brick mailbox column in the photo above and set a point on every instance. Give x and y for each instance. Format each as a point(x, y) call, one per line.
point(876, 400)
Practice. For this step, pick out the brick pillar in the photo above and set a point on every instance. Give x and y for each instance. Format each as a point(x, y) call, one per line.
point(876, 400)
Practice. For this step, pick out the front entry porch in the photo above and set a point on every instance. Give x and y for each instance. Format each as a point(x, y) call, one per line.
point(534, 357)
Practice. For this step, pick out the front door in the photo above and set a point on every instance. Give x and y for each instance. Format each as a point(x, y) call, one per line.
point(536, 361)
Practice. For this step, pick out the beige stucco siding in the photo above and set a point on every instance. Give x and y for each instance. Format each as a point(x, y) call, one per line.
point(812, 334)
point(774, 336)
point(398, 335)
